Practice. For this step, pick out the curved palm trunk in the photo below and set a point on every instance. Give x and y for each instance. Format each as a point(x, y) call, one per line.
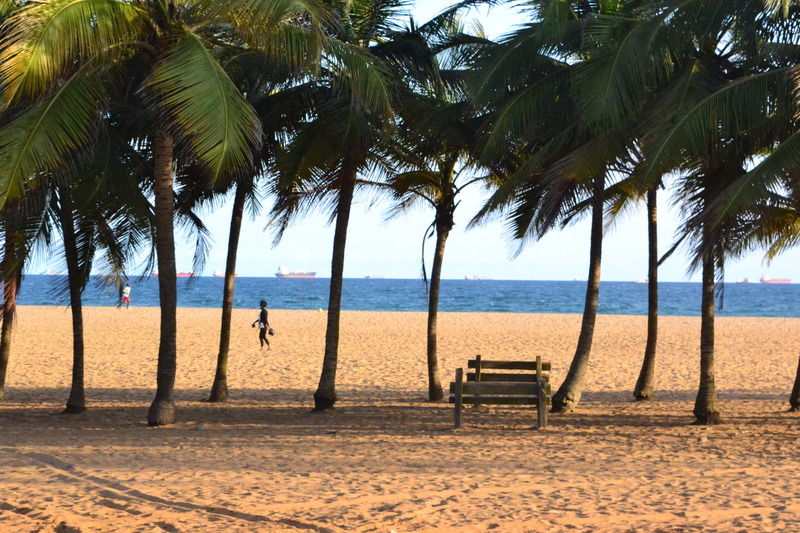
point(162, 410)
point(794, 399)
point(11, 281)
point(705, 406)
point(76, 403)
point(434, 385)
point(219, 390)
point(325, 396)
point(569, 393)
point(646, 382)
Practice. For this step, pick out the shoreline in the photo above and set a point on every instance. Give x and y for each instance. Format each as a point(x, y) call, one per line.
point(323, 310)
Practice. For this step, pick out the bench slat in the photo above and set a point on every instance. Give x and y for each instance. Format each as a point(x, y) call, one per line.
point(497, 387)
point(500, 400)
point(519, 378)
point(507, 365)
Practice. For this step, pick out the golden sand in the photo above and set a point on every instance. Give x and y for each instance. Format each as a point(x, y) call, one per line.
point(385, 460)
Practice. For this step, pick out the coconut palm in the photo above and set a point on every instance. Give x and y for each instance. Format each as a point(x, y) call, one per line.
point(28, 227)
point(196, 194)
point(268, 86)
point(645, 384)
point(435, 146)
point(541, 83)
point(769, 200)
point(99, 208)
point(63, 59)
point(219, 389)
point(717, 55)
point(348, 116)
point(23, 227)
point(434, 158)
point(10, 273)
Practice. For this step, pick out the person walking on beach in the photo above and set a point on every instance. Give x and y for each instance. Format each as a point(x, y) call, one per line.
point(263, 325)
point(125, 297)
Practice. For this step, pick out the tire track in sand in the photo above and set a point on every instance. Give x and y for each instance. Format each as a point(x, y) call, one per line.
point(116, 490)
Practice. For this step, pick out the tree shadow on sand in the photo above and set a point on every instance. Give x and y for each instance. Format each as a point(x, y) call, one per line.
point(252, 413)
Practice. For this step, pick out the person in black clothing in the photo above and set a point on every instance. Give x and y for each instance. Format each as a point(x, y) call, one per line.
point(263, 325)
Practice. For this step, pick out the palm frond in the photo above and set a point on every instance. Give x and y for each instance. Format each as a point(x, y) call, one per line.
point(263, 14)
point(361, 74)
point(43, 137)
point(782, 6)
point(45, 40)
point(702, 120)
point(212, 120)
point(751, 188)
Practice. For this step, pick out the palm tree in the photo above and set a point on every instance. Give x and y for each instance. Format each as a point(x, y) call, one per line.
point(268, 86)
point(767, 196)
point(63, 57)
point(219, 389)
point(12, 265)
point(76, 402)
point(646, 381)
point(99, 208)
point(431, 163)
point(694, 55)
point(540, 83)
point(774, 213)
point(436, 143)
point(24, 225)
point(727, 99)
point(348, 116)
point(196, 193)
point(569, 393)
point(10, 279)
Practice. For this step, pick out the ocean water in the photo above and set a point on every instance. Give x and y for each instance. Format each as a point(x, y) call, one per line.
point(616, 297)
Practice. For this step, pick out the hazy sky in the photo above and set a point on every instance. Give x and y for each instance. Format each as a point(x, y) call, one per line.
point(392, 249)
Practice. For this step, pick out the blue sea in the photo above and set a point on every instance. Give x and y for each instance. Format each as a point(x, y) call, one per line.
point(616, 297)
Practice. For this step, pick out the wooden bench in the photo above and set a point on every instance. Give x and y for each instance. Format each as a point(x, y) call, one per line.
point(528, 385)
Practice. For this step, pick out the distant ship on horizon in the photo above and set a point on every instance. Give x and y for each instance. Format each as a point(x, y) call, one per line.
point(221, 274)
point(52, 273)
point(476, 278)
point(178, 274)
point(281, 273)
point(765, 279)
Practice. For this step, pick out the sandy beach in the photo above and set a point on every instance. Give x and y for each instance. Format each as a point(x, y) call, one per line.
point(384, 460)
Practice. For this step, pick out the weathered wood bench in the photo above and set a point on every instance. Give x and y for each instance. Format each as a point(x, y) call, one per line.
point(528, 385)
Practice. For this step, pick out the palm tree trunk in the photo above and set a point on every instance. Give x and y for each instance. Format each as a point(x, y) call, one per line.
point(434, 385)
point(76, 403)
point(162, 410)
point(219, 390)
point(569, 393)
point(705, 406)
point(325, 396)
point(11, 281)
point(794, 399)
point(646, 382)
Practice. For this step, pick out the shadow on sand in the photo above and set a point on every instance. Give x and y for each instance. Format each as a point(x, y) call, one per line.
point(287, 412)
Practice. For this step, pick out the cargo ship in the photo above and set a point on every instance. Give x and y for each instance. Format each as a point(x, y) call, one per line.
point(476, 278)
point(281, 273)
point(765, 279)
point(178, 274)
